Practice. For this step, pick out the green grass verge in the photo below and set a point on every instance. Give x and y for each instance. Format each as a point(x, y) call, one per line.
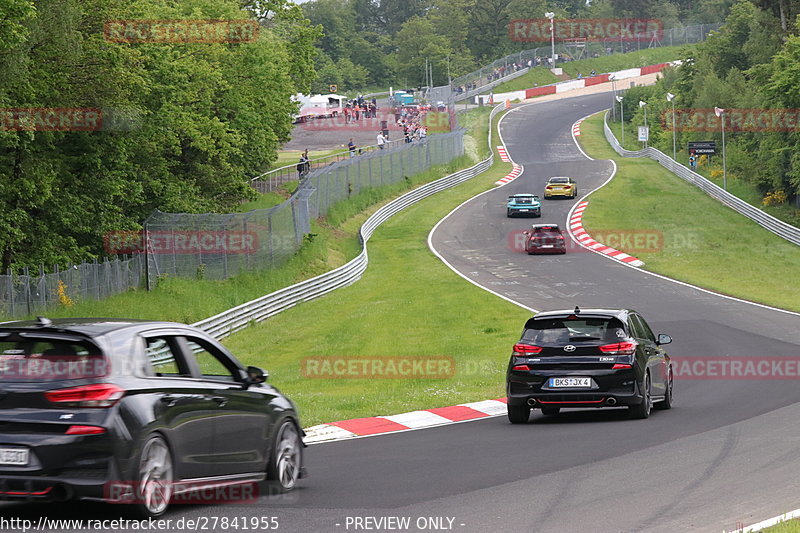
point(330, 245)
point(704, 242)
point(408, 303)
point(543, 76)
point(789, 526)
point(737, 186)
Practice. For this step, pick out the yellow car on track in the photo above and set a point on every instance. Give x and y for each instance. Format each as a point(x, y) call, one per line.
point(561, 186)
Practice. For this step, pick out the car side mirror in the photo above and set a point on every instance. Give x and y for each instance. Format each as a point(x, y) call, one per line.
point(255, 376)
point(663, 339)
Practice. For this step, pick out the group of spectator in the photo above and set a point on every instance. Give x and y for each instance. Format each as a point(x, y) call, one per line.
point(410, 120)
point(359, 108)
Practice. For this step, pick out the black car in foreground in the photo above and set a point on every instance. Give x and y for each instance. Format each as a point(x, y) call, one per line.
point(136, 412)
point(588, 358)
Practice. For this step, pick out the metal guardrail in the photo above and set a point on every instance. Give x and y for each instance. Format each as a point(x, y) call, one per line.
point(491, 85)
point(239, 317)
point(765, 220)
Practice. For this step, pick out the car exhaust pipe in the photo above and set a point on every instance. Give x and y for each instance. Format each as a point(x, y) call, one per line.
point(61, 493)
point(532, 402)
point(611, 401)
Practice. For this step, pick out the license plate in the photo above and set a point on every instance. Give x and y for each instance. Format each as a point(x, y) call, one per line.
point(13, 456)
point(570, 382)
point(523, 210)
point(547, 246)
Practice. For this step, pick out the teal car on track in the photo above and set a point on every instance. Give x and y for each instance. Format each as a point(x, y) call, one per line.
point(524, 204)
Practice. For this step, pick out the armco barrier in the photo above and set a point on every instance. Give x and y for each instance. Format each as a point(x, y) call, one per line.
point(768, 222)
point(241, 316)
point(596, 80)
point(570, 85)
point(540, 91)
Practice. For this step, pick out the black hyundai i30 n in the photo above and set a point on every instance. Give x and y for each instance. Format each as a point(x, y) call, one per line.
point(588, 358)
point(136, 412)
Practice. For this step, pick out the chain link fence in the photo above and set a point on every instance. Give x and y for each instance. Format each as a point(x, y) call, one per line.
point(30, 293)
point(573, 50)
point(216, 246)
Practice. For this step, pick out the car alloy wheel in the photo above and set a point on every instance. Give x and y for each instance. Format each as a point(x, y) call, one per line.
point(155, 482)
point(284, 468)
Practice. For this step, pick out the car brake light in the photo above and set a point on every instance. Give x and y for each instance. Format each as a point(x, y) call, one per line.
point(525, 349)
point(521, 367)
point(620, 366)
point(619, 348)
point(85, 430)
point(97, 395)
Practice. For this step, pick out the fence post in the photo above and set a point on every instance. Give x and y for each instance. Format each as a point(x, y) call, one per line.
point(11, 290)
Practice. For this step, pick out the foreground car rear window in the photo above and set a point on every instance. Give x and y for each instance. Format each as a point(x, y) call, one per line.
point(558, 331)
point(44, 360)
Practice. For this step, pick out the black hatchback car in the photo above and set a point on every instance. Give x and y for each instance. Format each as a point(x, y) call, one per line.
point(136, 412)
point(588, 358)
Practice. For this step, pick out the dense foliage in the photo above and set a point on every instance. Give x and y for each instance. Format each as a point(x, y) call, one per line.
point(750, 64)
point(375, 42)
point(183, 124)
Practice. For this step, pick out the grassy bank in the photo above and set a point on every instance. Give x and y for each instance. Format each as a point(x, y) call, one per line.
point(408, 303)
point(334, 242)
point(543, 76)
point(704, 242)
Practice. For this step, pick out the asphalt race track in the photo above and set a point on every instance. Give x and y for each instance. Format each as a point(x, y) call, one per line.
point(726, 453)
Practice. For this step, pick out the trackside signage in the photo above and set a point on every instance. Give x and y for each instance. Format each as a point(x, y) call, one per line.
point(538, 30)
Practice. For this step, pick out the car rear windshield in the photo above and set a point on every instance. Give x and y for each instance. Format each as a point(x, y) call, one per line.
point(43, 360)
point(550, 229)
point(559, 180)
point(524, 200)
point(559, 331)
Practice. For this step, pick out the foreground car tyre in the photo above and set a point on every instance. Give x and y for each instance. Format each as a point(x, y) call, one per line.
point(283, 469)
point(642, 410)
point(508, 213)
point(666, 403)
point(518, 414)
point(155, 479)
point(550, 411)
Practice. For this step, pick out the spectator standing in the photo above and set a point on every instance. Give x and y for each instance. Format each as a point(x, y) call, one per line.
point(352, 147)
point(381, 140)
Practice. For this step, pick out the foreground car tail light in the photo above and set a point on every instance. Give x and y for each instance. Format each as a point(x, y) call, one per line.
point(523, 368)
point(98, 395)
point(85, 430)
point(526, 349)
point(619, 348)
point(621, 366)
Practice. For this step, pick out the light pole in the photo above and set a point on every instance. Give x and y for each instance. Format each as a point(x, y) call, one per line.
point(622, 118)
point(551, 16)
point(612, 78)
point(671, 98)
point(721, 113)
point(647, 131)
